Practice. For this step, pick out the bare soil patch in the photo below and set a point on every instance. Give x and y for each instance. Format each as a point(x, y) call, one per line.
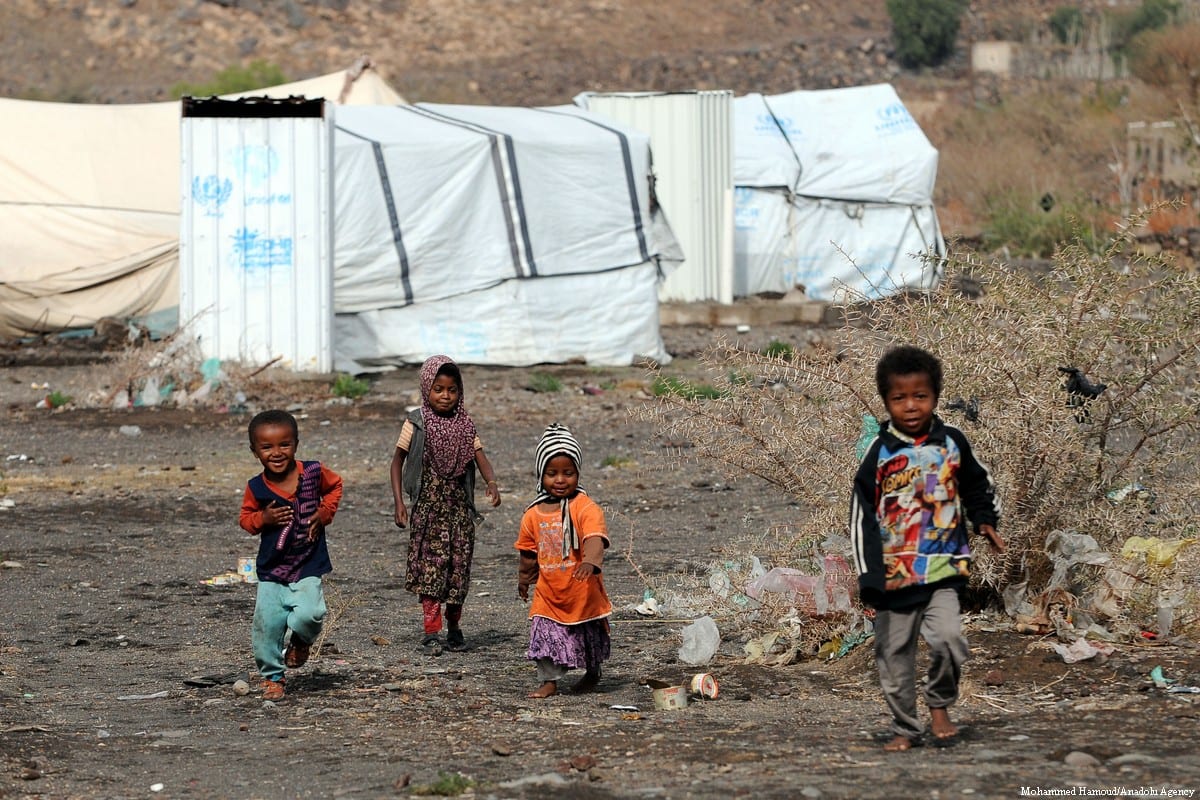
point(117, 663)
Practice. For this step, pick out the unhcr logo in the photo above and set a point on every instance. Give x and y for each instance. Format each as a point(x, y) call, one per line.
point(769, 125)
point(892, 119)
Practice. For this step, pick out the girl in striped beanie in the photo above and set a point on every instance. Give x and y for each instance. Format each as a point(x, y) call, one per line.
point(561, 544)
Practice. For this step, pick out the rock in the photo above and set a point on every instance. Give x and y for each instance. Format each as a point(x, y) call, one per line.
point(1133, 758)
point(583, 763)
point(994, 677)
point(1078, 758)
point(241, 688)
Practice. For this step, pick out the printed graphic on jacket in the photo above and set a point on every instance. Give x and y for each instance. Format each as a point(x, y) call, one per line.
point(918, 511)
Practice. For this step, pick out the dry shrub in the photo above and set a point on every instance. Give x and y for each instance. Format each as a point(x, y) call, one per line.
point(1121, 319)
point(173, 372)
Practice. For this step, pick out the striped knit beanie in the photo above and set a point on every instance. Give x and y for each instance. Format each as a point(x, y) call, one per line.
point(558, 441)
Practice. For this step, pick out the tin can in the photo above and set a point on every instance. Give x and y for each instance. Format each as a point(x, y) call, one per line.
point(670, 698)
point(705, 685)
point(247, 570)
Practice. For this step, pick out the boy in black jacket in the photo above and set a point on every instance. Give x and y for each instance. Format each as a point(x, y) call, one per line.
point(909, 536)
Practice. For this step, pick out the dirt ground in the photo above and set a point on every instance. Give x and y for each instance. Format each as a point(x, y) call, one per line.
point(117, 663)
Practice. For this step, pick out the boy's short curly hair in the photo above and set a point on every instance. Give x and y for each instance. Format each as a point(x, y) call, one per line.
point(272, 416)
point(907, 360)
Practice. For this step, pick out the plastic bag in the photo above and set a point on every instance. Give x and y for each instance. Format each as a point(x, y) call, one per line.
point(701, 640)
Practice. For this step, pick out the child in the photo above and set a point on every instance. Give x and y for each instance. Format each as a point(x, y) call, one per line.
point(434, 464)
point(561, 546)
point(910, 540)
point(288, 507)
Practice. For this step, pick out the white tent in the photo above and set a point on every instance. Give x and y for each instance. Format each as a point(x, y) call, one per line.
point(90, 199)
point(496, 235)
point(834, 190)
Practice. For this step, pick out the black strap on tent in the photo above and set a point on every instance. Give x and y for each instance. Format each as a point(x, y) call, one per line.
point(389, 200)
point(630, 179)
point(508, 184)
point(792, 147)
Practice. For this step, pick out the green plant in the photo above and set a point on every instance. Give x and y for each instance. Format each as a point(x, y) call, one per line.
point(924, 31)
point(1067, 24)
point(544, 383)
point(448, 784)
point(1026, 229)
point(617, 461)
point(679, 387)
point(778, 349)
point(1151, 15)
point(57, 399)
point(258, 74)
point(346, 385)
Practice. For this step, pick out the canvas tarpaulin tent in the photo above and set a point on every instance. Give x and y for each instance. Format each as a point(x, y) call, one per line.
point(834, 189)
point(89, 205)
point(497, 235)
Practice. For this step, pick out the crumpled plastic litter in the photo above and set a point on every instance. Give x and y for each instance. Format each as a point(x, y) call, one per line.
point(1082, 650)
point(1160, 680)
point(1157, 552)
point(701, 640)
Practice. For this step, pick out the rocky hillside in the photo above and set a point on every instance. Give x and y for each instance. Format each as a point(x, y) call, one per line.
point(505, 52)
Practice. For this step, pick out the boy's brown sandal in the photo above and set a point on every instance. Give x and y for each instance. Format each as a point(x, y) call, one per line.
point(297, 654)
point(272, 690)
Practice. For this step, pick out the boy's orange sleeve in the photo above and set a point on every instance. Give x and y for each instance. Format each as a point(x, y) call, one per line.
point(251, 517)
point(331, 495)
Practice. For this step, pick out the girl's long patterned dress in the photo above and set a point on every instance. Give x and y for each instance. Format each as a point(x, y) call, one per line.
point(441, 539)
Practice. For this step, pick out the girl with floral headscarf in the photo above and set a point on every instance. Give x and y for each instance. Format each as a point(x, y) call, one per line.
point(434, 464)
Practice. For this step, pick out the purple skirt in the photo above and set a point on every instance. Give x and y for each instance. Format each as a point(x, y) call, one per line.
point(582, 646)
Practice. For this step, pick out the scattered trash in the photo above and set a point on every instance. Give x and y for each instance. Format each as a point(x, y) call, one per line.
point(154, 696)
point(648, 607)
point(1160, 680)
point(241, 688)
point(700, 641)
point(870, 429)
point(7, 503)
point(18, 457)
point(704, 685)
point(743, 328)
point(1082, 650)
point(1157, 552)
point(247, 569)
point(1132, 491)
point(130, 430)
point(667, 697)
point(1184, 690)
point(223, 579)
point(11, 565)
point(623, 708)
point(156, 787)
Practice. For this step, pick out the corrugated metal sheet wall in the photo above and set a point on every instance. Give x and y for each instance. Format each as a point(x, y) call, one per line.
point(256, 237)
point(691, 134)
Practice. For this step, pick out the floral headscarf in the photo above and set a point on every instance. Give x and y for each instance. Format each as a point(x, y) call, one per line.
point(449, 439)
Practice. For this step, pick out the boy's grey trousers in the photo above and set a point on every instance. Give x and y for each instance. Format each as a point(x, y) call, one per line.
point(938, 623)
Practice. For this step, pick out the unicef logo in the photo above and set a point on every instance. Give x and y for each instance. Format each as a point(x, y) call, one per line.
point(254, 164)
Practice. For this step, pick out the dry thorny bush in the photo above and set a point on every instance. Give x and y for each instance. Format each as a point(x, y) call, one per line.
point(1115, 466)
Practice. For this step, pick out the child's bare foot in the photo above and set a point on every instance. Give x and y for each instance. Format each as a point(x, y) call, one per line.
point(547, 689)
point(587, 683)
point(940, 722)
point(898, 745)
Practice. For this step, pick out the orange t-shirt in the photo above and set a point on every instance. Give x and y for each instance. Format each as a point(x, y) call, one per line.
point(557, 596)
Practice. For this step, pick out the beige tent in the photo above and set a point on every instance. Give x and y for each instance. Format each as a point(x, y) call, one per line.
point(89, 203)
